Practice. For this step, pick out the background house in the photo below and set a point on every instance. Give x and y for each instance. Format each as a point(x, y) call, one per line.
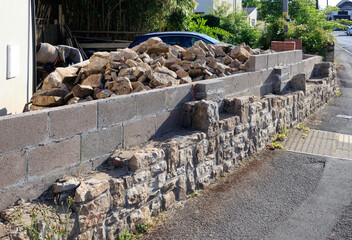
point(345, 11)
point(16, 55)
point(203, 5)
point(252, 15)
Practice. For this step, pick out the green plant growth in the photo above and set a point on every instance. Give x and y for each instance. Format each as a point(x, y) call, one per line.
point(304, 129)
point(275, 145)
point(45, 222)
point(193, 195)
point(126, 236)
point(143, 228)
point(201, 27)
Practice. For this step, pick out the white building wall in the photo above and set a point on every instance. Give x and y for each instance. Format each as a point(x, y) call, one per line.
point(15, 28)
point(203, 5)
point(235, 5)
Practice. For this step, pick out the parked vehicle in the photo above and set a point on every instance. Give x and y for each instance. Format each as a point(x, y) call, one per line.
point(349, 31)
point(183, 39)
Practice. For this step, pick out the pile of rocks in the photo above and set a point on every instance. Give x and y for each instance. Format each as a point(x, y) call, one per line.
point(152, 64)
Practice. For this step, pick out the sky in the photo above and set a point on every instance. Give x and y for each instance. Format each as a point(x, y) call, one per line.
point(322, 3)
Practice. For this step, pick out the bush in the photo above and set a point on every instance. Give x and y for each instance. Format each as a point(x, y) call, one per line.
point(274, 32)
point(201, 27)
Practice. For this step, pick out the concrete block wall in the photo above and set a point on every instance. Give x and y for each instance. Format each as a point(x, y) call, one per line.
point(36, 148)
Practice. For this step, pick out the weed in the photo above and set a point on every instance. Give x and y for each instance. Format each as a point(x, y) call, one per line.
point(143, 228)
point(45, 222)
point(126, 236)
point(304, 129)
point(275, 145)
point(280, 137)
point(338, 93)
point(193, 195)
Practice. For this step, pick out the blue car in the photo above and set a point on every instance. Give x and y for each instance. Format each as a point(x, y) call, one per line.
point(183, 39)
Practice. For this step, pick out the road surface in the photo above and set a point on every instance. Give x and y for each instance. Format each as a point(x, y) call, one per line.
point(292, 194)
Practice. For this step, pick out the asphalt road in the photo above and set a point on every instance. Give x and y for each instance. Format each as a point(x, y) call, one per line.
point(279, 195)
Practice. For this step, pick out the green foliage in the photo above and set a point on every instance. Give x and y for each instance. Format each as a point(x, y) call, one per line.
point(143, 228)
point(274, 32)
point(304, 129)
point(275, 145)
point(55, 226)
point(214, 32)
point(125, 236)
point(212, 20)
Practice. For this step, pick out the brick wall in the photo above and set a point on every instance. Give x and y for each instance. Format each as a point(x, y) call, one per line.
point(280, 46)
point(297, 41)
point(36, 148)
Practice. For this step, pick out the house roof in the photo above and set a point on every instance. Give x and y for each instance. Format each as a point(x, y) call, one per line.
point(249, 10)
point(344, 5)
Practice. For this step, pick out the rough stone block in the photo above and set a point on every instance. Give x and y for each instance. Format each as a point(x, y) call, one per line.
point(13, 168)
point(206, 113)
point(101, 142)
point(178, 95)
point(54, 156)
point(116, 110)
point(73, 119)
point(20, 130)
point(258, 62)
point(150, 102)
point(168, 121)
point(139, 131)
point(272, 60)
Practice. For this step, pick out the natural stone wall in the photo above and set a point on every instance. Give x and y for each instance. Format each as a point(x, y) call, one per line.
point(137, 184)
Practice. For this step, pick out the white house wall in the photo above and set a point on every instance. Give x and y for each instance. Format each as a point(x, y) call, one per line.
point(203, 5)
point(15, 29)
point(212, 4)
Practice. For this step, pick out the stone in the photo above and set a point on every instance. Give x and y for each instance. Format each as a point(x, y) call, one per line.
point(197, 51)
point(67, 74)
point(53, 80)
point(158, 168)
point(131, 63)
point(175, 67)
point(298, 82)
point(73, 100)
point(145, 158)
point(172, 61)
point(193, 73)
point(136, 85)
point(94, 212)
point(129, 54)
point(240, 53)
point(160, 79)
point(136, 219)
point(105, 93)
point(117, 190)
point(47, 101)
point(168, 199)
point(90, 189)
point(219, 52)
point(202, 45)
point(160, 60)
point(122, 86)
point(66, 184)
point(93, 80)
point(207, 113)
point(227, 60)
point(188, 55)
point(186, 80)
point(82, 91)
point(166, 71)
point(136, 194)
point(158, 48)
point(182, 74)
point(226, 47)
point(58, 92)
point(235, 64)
point(222, 67)
point(97, 62)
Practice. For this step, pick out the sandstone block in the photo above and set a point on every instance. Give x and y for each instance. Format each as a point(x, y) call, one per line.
point(168, 199)
point(136, 195)
point(82, 91)
point(66, 184)
point(90, 189)
point(93, 80)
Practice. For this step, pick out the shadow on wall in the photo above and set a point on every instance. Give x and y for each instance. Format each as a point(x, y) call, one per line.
point(267, 85)
point(3, 111)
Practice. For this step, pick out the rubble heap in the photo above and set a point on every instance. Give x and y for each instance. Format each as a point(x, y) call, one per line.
point(152, 64)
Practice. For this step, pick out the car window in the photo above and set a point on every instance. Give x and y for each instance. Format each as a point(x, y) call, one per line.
point(183, 41)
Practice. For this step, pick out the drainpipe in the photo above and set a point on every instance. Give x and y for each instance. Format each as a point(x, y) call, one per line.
point(34, 51)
